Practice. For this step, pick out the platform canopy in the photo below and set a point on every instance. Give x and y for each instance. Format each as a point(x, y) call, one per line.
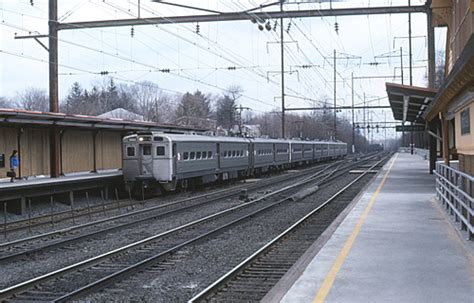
point(409, 102)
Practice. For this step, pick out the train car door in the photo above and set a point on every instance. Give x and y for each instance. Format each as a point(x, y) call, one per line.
point(146, 163)
point(218, 152)
point(251, 155)
point(175, 159)
point(274, 153)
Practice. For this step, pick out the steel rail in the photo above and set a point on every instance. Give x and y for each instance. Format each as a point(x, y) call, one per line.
point(218, 284)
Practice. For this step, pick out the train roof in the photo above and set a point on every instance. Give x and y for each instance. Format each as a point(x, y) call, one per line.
point(198, 138)
point(204, 138)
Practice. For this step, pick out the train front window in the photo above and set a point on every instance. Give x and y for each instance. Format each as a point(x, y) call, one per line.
point(130, 151)
point(160, 150)
point(146, 150)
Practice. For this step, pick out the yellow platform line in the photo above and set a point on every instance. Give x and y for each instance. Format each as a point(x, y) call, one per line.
point(331, 275)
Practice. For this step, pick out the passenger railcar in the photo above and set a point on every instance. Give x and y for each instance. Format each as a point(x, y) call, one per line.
point(167, 161)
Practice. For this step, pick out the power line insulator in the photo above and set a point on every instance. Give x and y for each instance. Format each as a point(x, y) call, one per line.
point(289, 26)
point(336, 27)
point(275, 25)
point(268, 26)
point(32, 2)
point(104, 73)
point(197, 28)
point(260, 27)
point(132, 32)
point(231, 68)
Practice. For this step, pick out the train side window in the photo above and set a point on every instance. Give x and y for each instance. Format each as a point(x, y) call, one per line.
point(160, 150)
point(233, 153)
point(204, 155)
point(130, 151)
point(209, 155)
point(146, 150)
point(185, 156)
point(198, 155)
point(192, 155)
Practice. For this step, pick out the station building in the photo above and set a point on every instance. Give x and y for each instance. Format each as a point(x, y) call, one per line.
point(447, 112)
point(453, 104)
point(87, 144)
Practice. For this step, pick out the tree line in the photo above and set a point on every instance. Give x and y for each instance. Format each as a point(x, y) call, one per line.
point(149, 102)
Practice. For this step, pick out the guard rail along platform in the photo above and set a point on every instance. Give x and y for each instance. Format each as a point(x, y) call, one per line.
point(455, 190)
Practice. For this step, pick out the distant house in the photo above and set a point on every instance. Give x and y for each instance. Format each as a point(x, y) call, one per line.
point(121, 113)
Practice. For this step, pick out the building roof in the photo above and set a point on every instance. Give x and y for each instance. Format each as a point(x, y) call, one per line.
point(409, 102)
point(12, 117)
point(122, 113)
point(460, 77)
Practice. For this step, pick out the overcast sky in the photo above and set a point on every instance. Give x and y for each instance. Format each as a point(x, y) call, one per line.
point(200, 60)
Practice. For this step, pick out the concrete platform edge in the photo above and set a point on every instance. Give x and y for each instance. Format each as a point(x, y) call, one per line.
point(287, 281)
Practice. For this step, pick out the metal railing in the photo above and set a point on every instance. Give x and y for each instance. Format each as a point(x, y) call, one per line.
point(455, 190)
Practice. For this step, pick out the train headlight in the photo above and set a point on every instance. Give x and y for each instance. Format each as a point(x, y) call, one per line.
point(140, 139)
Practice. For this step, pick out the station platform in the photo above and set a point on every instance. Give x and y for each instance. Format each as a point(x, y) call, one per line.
point(396, 244)
point(17, 192)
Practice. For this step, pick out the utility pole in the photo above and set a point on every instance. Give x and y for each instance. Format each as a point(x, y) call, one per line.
point(401, 63)
point(335, 95)
point(282, 55)
point(363, 119)
point(409, 45)
point(347, 57)
point(54, 139)
point(353, 128)
point(240, 109)
point(431, 47)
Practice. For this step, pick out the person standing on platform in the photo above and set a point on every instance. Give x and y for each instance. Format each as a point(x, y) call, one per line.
point(14, 164)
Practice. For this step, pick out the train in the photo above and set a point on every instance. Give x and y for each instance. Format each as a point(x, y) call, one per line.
point(161, 162)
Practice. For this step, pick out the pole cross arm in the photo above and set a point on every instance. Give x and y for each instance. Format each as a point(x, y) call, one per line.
point(237, 16)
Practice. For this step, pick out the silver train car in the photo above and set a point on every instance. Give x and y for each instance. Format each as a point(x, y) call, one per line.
point(160, 161)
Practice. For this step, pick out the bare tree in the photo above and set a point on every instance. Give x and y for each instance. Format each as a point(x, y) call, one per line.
point(33, 99)
point(146, 96)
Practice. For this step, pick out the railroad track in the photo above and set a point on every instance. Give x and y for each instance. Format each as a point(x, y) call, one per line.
point(251, 280)
point(128, 204)
point(97, 272)
point(68, 236)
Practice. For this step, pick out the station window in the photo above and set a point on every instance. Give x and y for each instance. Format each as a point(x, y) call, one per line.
point(146, 150)
point(160, 150)
point(130, 151)
point(198, 155)
point(192, 155)
point(209, 155)
point(185, 156)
